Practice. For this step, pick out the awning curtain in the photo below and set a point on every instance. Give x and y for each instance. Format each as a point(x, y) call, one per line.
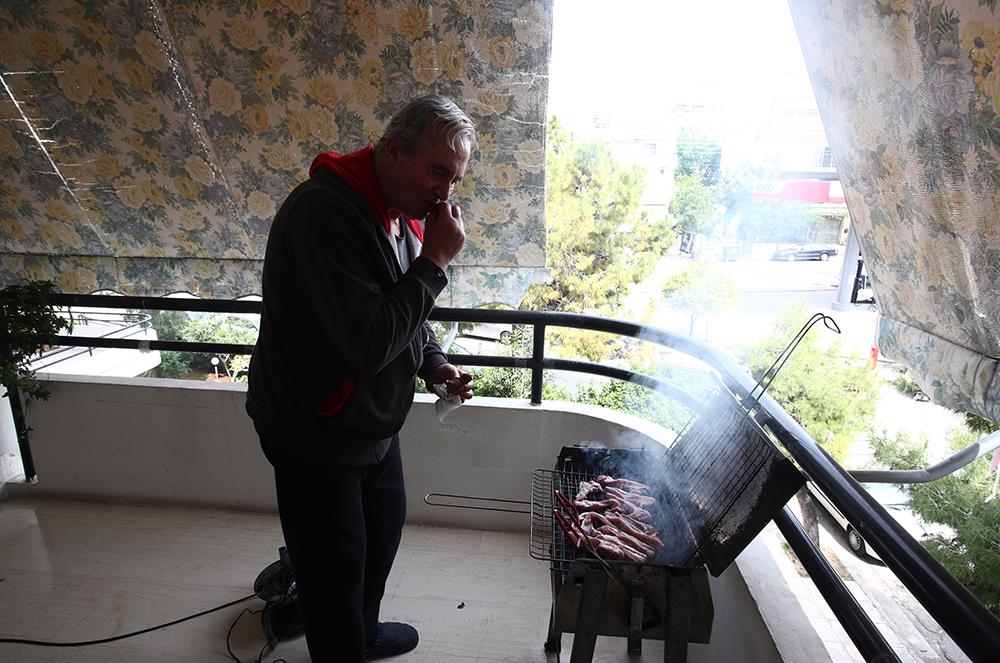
point(145, 144)
point(909, 94)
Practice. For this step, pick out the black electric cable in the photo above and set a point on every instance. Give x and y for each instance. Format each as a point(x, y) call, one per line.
point(43, 643)
point(230, 633)
point(260, 655)
point(270, 606)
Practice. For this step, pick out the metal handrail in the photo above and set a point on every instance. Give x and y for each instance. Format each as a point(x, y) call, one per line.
point(966, 620)
point(866, 636)
point(141, 322)
point(954, 462)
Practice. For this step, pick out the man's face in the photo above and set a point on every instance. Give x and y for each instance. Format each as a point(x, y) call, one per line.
point(419, 180)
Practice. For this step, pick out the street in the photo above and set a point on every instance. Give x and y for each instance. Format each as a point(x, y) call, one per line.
point(765, 289)
point(918, 637)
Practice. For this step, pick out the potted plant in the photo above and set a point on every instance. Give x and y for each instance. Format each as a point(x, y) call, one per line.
point(27, 324)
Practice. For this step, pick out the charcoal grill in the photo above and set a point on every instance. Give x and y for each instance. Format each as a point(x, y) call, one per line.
point(716, 487)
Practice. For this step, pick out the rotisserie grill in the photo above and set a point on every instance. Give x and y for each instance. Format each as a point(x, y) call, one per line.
point(715, 488)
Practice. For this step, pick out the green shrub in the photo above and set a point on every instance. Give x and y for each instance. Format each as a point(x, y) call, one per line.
point(907, 386)
point(27, 325)
point(636, 400)
point(214, 328)
point(832, 398)
point(963, 501)
point(172, 365)
point(897, 452)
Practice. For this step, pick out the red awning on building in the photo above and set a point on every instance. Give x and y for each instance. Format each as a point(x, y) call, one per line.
point(804, 191)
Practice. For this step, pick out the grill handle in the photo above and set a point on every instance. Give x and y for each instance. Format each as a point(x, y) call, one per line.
point(765, 380)
point(456, 502)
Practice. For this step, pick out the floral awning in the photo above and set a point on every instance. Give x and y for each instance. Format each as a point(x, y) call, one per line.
point(144, 145)
point(910, 97)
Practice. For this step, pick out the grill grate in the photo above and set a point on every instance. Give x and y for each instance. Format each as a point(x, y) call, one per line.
point(717, 457)
point(547, 539)
point(549, 543)
point(717, 484)
point(727, 478)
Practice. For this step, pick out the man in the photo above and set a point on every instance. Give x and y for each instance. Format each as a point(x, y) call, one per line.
point(350, 276)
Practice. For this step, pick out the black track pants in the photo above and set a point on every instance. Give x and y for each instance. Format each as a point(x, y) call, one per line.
point(342, 527)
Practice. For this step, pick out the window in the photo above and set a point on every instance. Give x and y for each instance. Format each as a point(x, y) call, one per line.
point(824, 158)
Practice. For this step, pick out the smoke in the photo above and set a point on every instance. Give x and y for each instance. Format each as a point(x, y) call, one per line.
point(717, 483)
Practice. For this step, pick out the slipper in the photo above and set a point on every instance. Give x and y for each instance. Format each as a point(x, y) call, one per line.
point(394, 638)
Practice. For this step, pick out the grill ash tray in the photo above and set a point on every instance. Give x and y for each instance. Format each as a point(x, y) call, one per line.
point(672, 599)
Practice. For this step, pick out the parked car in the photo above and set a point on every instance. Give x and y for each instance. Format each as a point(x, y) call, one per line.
point(896, 501)
point(806, 252)
point(492, 333)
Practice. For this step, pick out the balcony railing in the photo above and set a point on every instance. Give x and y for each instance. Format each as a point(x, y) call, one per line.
point(966, 620)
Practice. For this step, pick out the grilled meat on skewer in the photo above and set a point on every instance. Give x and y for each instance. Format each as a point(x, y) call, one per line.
point(609, 537)
point(634, 498)
point(597, 505)
point(588, 488)
point(575, 538)
point(612, 528)
point(628, 526)
point(623, 484)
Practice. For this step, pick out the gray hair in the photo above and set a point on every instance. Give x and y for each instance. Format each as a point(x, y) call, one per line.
point(430, 112)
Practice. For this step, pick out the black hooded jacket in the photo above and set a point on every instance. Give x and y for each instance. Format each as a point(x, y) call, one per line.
point(343, 330)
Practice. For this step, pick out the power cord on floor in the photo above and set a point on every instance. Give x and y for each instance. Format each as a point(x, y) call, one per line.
point(85, 643)
point(262, 649)
point(270, 606)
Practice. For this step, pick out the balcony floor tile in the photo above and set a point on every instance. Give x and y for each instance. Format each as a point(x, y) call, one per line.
point(73, 571)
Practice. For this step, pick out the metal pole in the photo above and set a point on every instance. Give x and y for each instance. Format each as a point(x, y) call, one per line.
point(848, 273)
point(21, 429)
point(537, 357)
point(20, 424)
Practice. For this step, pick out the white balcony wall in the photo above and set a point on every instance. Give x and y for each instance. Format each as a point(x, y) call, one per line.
point(187, 442)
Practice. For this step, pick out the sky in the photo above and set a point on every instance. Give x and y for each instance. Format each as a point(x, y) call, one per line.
point(637, 57)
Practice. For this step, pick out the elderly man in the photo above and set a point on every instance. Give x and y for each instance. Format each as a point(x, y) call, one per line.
point(350, 275)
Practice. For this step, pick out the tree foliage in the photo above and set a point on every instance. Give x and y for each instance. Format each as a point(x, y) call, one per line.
point(762, 219)
point(179, 326)
point(736, 185)
point(898, 452)
point(776, 221)
point(692, 207)
point(832, 398)
point(599, 243)
point(645, 403)
point(219, 329)
point(27, 324)
point(699, 289)
point(502, 382)
point(980, 425)
point(698, 157)
point(962, 501)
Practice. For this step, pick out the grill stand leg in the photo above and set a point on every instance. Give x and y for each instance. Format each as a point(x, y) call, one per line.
point(588, 617)
point(635, 618)
point(554, 642)
point(675, 641)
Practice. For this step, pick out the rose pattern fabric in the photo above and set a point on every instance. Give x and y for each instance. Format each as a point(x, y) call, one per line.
point(145, 144)
point(910, 97)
